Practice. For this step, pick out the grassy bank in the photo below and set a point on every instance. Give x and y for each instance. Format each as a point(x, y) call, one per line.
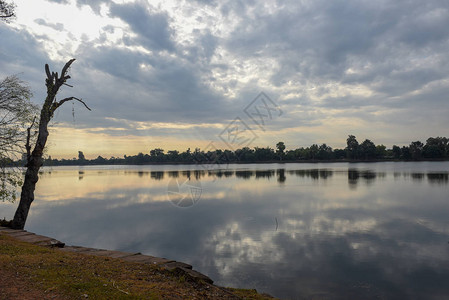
point(28, 271)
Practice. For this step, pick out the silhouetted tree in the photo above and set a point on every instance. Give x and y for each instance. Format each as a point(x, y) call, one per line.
point(100, 160)
point(405, 152)
point(263, 154)
point(229, 156)
point(290, 155)
point(157, 154)
point(302, 153)
point(416, 149)
point(81, 156)
point(186, 156)
point(245, 154)
point(352, 147)
point(367, 149)
point(381, 151)
point(34, 159)
point(339, 153)
point(436, 147)
point(173, 155)
point(324, 152)
point(313, 151)
point(280, 149)
point(7, 11)
point(396, 152)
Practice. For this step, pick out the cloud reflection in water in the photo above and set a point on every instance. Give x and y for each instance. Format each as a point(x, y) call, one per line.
point(333, 230)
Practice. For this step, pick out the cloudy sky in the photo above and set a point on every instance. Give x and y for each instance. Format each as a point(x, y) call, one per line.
point(176, 74)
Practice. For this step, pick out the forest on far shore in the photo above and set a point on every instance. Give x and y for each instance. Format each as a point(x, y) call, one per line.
point(434, 149)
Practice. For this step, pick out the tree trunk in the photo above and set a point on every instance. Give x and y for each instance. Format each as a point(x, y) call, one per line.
point(31, 178)
point(34, 160)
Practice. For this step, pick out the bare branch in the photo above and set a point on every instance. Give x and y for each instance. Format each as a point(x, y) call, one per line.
point(60, 80)
point(53, 83)
point(58, 104)
point(47, 70)
point(66, 67)
point(27, 145)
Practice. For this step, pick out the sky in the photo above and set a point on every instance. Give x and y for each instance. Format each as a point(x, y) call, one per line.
point(227, 74)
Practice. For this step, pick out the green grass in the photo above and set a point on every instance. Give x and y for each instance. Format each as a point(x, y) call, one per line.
point(77, 275)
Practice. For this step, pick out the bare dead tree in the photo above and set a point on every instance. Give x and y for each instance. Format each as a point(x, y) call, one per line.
point(34, 159)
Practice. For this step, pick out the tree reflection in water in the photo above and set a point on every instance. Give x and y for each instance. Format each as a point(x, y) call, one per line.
point(349, 231)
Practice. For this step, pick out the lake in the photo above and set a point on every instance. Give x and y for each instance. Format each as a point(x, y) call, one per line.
point(321, 231)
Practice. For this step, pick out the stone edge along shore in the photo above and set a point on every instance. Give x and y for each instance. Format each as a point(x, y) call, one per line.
point(40, 240)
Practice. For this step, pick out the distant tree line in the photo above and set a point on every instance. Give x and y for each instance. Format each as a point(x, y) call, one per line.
point(435, 148)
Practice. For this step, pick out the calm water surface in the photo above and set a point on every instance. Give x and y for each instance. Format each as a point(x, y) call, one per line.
point(335, 230)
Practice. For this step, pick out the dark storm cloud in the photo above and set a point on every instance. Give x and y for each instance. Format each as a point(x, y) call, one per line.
point(152, 28)
point(109, 79)
point(160, 88)
point(394, 49)
point(203, 48)
point(323, 40)
point(25, 61)
point(356, 58)
point(13, 52)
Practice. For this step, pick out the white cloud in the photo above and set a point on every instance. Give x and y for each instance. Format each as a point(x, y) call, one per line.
point(202, 62)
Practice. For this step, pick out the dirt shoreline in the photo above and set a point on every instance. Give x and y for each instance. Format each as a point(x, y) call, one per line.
point(39, 267)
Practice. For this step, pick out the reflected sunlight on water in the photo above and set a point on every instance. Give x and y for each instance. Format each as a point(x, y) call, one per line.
point(377, 230)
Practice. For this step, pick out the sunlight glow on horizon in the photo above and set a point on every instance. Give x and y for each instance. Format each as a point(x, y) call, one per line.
point(173, 75)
